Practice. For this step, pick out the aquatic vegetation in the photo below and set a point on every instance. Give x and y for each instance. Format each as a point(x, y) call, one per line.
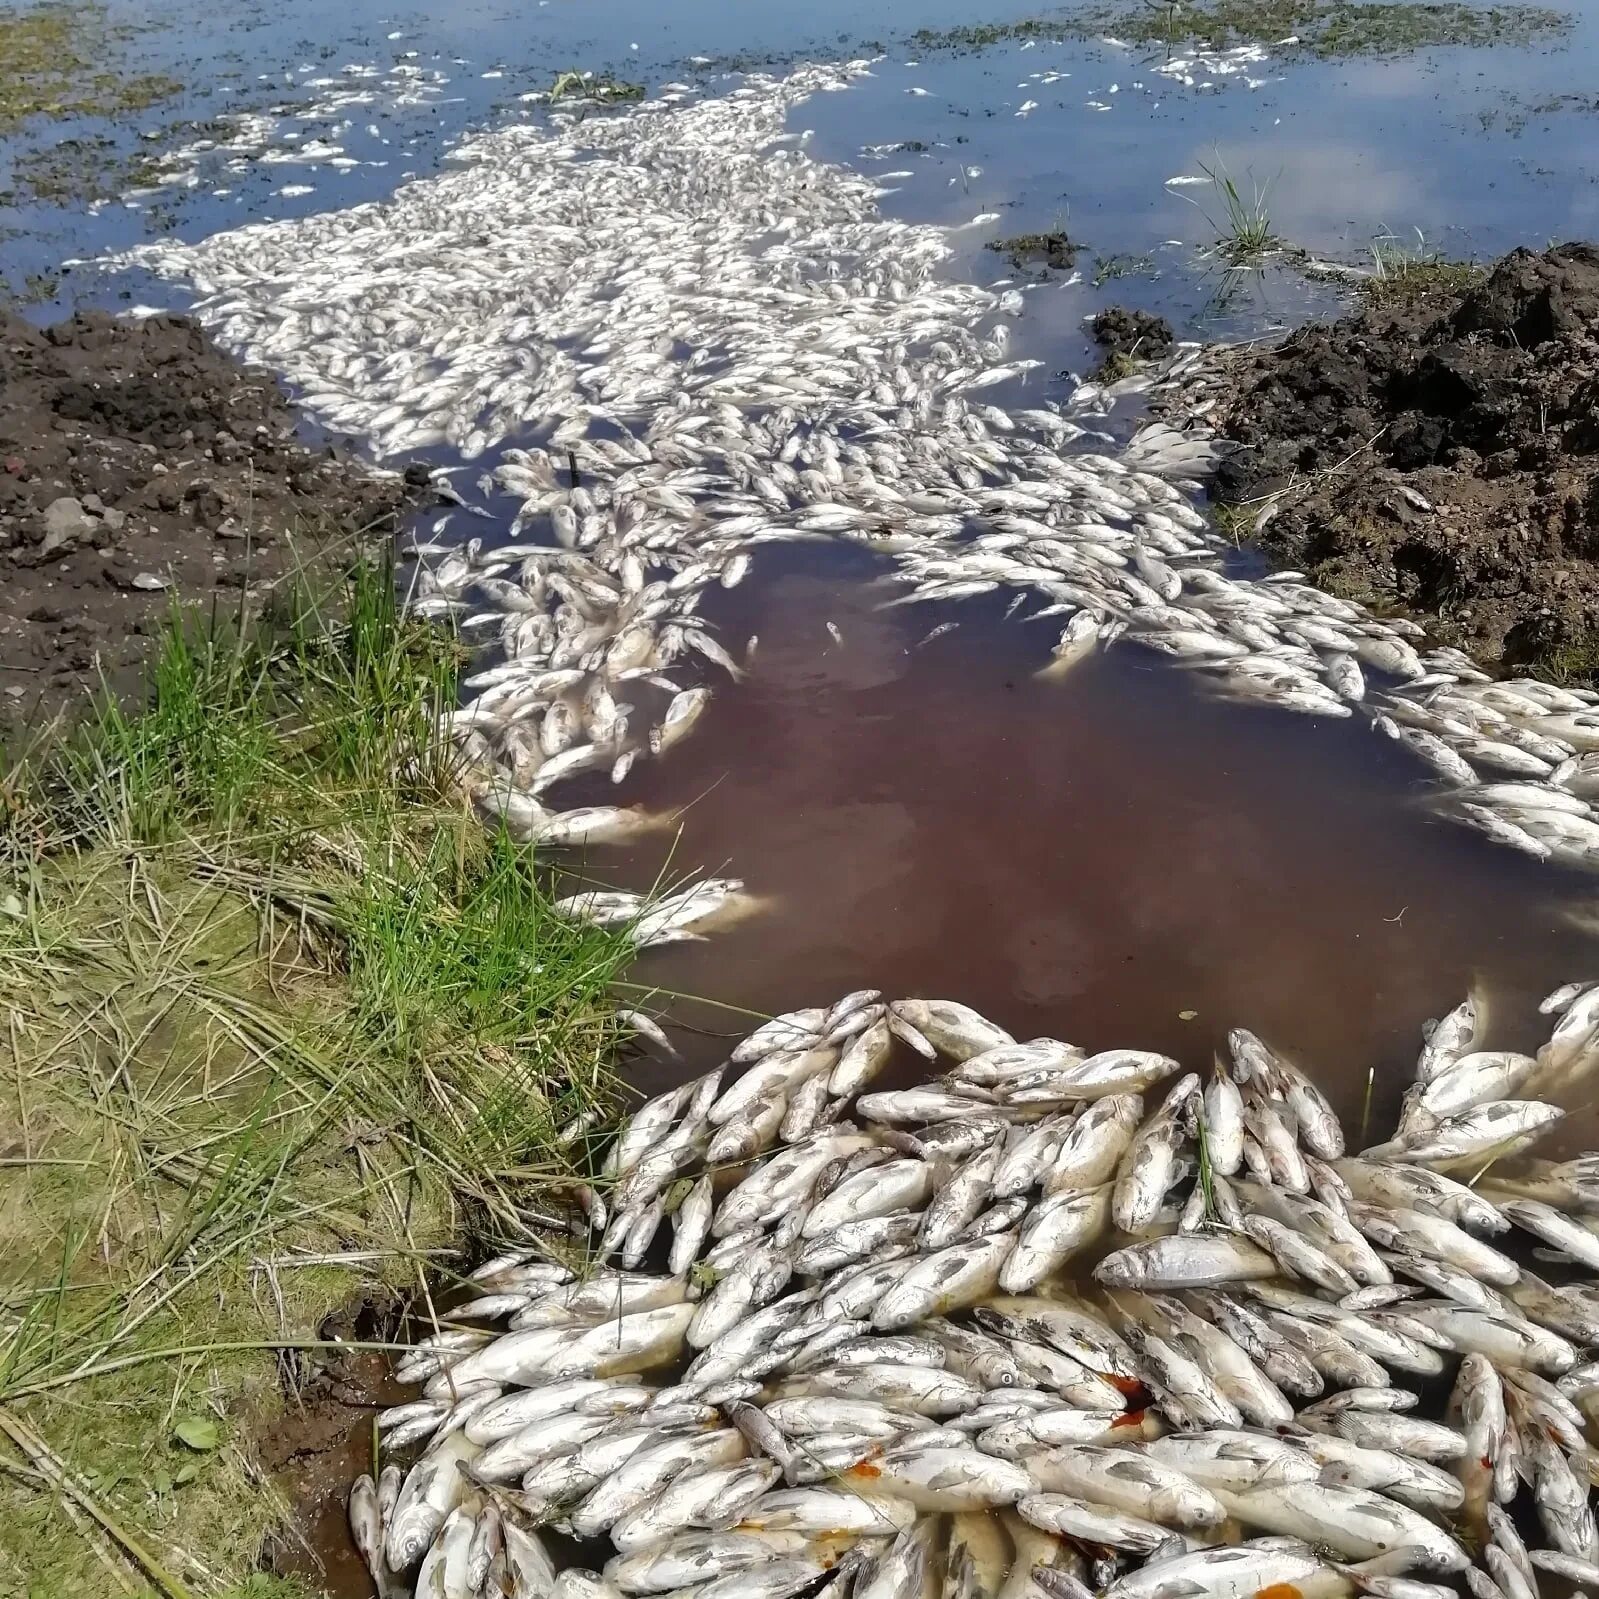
point(1328, 28)
point(58, 60)
point(575, 85)
point(1404, 271)
point(1240, 221)
point(1049, 250)
point(1108, 268)
point(283, 1017)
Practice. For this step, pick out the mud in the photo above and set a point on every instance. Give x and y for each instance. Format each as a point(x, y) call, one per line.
point(1128, 337)
point(139, 463)
point(322, 1440)
point(1043, 251)
point(1438, 453)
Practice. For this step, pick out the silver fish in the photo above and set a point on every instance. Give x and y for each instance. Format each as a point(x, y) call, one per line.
point(1186, 1261)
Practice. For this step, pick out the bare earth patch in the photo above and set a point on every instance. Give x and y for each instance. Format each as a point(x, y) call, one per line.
point(138, 462)
point(1438, 452)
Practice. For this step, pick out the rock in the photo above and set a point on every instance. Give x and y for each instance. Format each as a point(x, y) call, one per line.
point(148, 581)
point(207, 502)
point(66, 526)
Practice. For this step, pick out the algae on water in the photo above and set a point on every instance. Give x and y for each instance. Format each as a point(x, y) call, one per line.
point(59, 60)
point(1329, 28)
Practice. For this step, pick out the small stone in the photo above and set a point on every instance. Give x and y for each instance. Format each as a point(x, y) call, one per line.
point(148, 580)
point(114, 519)
point(93, 504)
point(66, 525)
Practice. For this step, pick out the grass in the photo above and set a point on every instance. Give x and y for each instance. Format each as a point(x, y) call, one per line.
point(1574, 660)
point(269, 995)
point(1234, 522)
point(1241, 222)
point(1108, 268)
point(59, 60)
point(1207, 1171)
point(1403, 273)
point(591, 86)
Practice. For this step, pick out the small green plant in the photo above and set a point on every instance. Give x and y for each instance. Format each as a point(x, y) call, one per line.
point(1242, 226)
point(1107, 268)
point(1207, 1172)
point(1235, 522)
point(576, 85)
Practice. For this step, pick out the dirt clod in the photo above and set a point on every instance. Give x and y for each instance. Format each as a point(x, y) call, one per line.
point(1127, 335)
point(1042, 250)
point(138, 460)
point(1441, 456)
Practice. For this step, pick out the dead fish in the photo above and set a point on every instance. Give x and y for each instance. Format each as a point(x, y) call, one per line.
point(1500, 1129)
point(433, 1488)
point(1134, 1483)
point(1354, 1522)
point(956, 1276)
point(952, 1029)
point(1056, 1230)
point(1186, 1261)
point(366, 1529)
point(1083, 1522)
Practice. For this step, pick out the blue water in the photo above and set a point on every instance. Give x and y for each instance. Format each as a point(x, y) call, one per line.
point(1444, 141)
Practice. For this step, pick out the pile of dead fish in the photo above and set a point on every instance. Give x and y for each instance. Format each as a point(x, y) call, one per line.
point(1018, 1332)
point(725, 344)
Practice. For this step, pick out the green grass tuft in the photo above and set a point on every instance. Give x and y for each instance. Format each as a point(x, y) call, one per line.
point(1241, 222)
point(1404, 272)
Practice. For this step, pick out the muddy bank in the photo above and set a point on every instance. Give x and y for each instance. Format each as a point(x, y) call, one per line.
point(322, 1440)
point(1438, 451)
point(138, 463)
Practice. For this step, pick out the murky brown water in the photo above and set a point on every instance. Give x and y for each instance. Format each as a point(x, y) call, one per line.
point(1088, 858)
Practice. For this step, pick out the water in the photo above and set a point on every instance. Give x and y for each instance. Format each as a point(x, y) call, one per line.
point(1110, 858)
point(1480, 149)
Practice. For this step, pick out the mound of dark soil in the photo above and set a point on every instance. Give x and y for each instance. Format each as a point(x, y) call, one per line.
point(1127, 335)
point(1441, 455)
point(138, 463)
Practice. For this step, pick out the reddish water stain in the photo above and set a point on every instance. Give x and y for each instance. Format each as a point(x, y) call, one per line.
point(1089, 858)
